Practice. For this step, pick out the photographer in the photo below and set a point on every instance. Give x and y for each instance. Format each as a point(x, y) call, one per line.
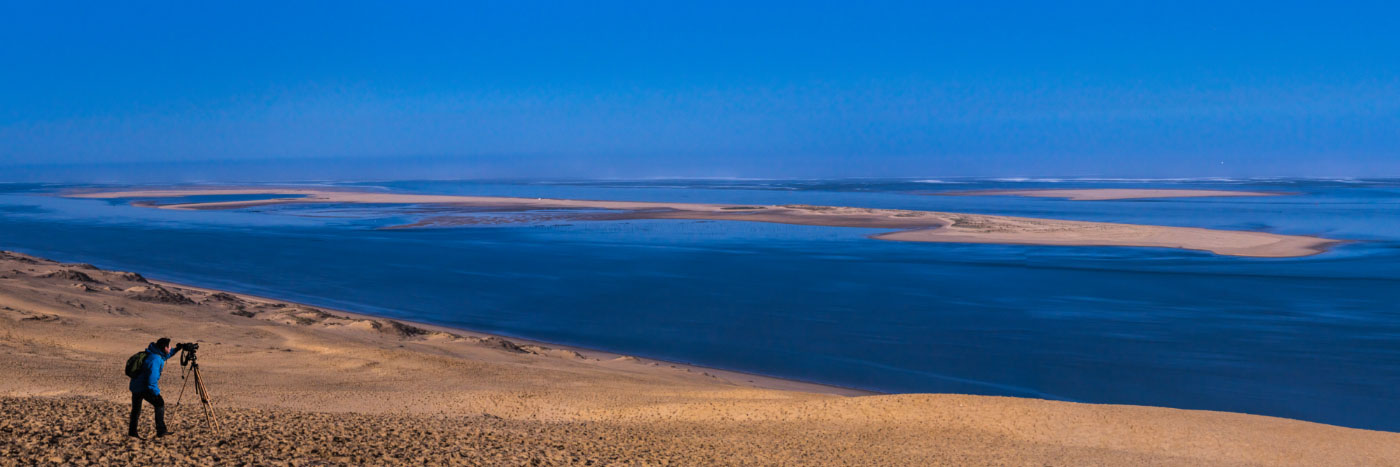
point(145, 382)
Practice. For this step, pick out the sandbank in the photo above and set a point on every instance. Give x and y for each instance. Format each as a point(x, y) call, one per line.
point(914, 226)
point(1105, 194)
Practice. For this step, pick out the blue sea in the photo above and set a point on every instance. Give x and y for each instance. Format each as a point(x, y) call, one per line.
point(1314, 338)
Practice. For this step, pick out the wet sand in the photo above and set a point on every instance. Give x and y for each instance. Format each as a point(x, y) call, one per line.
point(916, 226)
point(293, 383)
point(1105, 194)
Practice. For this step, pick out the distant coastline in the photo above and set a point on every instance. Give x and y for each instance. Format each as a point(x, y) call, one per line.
point(1108, 194)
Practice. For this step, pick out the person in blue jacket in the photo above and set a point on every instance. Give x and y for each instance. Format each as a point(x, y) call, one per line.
point(146, 386)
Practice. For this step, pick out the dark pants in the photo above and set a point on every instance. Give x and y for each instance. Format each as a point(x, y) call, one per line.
point(156, 402)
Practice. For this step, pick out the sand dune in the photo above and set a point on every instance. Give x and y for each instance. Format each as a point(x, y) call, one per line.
point(1104, 194)
point(916, 226)
point(299, 384)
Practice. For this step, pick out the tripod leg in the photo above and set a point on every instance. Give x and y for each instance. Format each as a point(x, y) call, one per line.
point(204, 400)
point(182, 390)
point(209, 406)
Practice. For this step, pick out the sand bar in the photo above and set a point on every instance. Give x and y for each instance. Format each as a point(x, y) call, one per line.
point(296, 383)
point(1105, 194)
point(914, 226)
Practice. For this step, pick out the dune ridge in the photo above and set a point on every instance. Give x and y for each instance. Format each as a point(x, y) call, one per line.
point(299, 384)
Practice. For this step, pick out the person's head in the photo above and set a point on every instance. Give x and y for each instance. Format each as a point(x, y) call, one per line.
point(163, 343)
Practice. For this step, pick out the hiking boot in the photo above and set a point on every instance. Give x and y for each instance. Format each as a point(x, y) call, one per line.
point(162, 434)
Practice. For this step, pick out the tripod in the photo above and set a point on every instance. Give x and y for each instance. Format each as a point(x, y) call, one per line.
point(189, 358)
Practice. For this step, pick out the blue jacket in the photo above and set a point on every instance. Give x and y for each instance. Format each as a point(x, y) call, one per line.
point(148, 379)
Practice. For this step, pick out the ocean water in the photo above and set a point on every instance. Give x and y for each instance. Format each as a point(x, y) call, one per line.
point(1314, 338)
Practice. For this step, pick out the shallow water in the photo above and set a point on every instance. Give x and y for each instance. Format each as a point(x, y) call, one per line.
point(1315, 338)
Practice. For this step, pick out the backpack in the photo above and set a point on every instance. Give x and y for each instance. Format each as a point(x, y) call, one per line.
point(135, 363)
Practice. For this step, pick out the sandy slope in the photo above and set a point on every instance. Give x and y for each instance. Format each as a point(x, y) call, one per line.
point(915, 226)
point(299, 384)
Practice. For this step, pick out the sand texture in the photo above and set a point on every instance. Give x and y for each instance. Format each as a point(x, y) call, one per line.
point(914, 226)
point(1105, 194)
point(295, 385)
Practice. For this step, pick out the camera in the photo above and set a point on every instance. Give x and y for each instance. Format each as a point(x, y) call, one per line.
point(189, 348)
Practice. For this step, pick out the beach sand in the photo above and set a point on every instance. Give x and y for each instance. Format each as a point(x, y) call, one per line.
point(1105, 194)
point(295, 384)
point(914, 226)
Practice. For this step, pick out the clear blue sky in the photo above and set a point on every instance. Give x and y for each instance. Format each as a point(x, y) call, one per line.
point(747, 89)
